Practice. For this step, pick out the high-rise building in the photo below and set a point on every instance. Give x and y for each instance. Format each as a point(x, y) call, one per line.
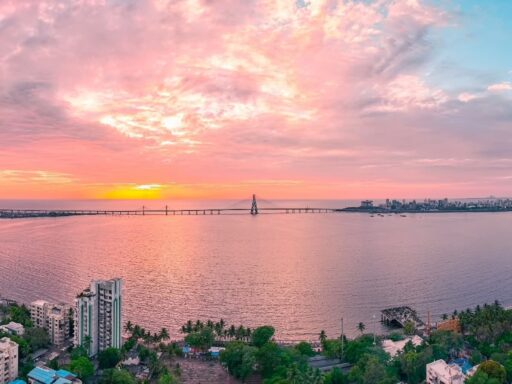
point(99, 316)
point(8, 360)
point(55, 318)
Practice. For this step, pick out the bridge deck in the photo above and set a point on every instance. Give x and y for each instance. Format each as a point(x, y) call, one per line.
point(19, 213)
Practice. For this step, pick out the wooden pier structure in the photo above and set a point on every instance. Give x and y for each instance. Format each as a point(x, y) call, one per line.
point(398, 316)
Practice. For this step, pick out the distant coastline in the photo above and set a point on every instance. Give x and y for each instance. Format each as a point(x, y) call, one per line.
point(431, 206)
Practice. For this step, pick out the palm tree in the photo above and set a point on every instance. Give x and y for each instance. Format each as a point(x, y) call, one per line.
point(232, 331)
point(361, 327)
point(323, 336)
point(164, 334)
point(128, 326)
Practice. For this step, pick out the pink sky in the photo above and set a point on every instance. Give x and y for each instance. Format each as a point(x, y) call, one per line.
point(202, 98)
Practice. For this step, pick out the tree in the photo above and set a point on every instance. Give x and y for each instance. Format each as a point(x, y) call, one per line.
point(128, 326)
point(445, 316)
point(117, 376)
point(202, 339)
point(239, 358)
point(494, 370)
point(109, 358)
point(262, 335)
point(482, 378)
point(335, 377)
point(37, 338)
point(83, 367)
point(322, 337)
point(269, 359)
point(164, 334)
point(409, 328)
point(54, 364)
point(361, 327)
point(305, 349)
point(167, 378)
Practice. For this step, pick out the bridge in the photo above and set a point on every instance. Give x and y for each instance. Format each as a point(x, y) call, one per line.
point(253, 210)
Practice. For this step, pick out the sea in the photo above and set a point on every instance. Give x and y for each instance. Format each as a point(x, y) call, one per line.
point(301, 273)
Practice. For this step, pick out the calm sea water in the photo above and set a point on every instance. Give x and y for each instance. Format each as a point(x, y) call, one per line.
point(300, 273)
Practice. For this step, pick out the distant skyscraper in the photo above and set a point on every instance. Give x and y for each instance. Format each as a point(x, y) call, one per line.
point(98, 316)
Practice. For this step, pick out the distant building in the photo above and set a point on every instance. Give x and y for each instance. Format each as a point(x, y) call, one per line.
point(8, 360)
point(452, 325)
point(439, 372)
point(99, 316)
point(55, 318)
point(13, 328)
point(394, 347)
point(45, 375)
point(367, 204)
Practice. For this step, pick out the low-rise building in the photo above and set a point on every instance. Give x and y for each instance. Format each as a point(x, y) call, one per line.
point(55, 318)
point(8, 360)
point(439, 372)
point(13, 328)
point(452, 325)
point(45, 375)
point(394, 347)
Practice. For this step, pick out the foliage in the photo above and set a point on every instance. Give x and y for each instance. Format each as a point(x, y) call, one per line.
point(262, 335)
point(335, 377)
point(239, 358)
point(37, 338)
point(167, 378)
point(53, 364)
point(202, 339)
point(305, 349)
point(117, 376)
point(332, 348)
point(109, 358)
point(83, 367)
point(409, 328)
point(494, 370)
point(482, 378)
point(19, 314)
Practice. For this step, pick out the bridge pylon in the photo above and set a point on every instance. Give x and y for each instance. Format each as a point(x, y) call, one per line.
point(254, 207)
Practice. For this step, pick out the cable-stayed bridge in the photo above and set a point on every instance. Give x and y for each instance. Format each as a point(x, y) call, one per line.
point(251, 208)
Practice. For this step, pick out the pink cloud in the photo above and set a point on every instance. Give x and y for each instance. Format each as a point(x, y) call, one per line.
point(199, 92)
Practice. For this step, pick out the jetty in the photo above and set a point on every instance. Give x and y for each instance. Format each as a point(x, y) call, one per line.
point(398, 316)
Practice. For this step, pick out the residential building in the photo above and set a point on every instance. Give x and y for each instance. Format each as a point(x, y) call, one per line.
point(8, 360)
point(55, 318)
point(99, 316)
point(452, 325)
point(394, 347)
point(13, 328)
point(45, 375)
point(439, 372)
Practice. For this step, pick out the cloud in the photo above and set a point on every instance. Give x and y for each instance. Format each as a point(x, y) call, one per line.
point(201, 92)
point(500, 87)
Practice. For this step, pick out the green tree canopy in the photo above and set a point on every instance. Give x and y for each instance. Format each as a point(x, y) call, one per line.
point(262, 335)
point(494, 370)
point(117, 376)
point(83, 367)
point(109, 358)
point(239, 358)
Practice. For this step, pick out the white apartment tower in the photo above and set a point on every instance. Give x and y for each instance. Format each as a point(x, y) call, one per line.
point(98, 316)
point(8, 360)
point(55, 318)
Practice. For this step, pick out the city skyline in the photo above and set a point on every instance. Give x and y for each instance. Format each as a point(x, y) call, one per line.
point(287, 99)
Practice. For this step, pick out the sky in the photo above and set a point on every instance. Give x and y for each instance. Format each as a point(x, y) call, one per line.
point(338, 99)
